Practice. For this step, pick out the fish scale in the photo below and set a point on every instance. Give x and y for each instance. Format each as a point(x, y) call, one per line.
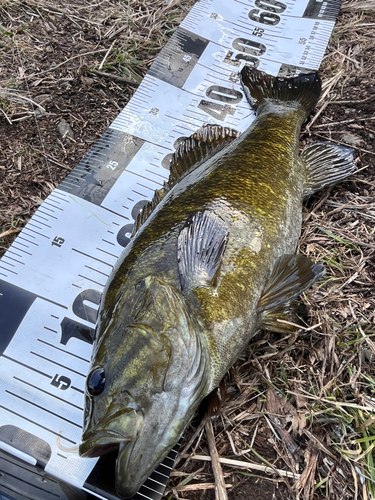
point(196, 82)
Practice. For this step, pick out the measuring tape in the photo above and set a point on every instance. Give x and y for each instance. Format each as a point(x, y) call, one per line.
point(52, 277)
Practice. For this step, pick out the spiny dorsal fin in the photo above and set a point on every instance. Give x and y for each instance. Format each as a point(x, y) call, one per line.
point(147, 210)
point(191, 153)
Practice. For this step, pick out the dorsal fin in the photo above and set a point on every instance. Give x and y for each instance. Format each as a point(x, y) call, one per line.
point(147, 210)
point(192, 152)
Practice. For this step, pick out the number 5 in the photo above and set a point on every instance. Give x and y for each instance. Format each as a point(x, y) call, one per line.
point(61, 382)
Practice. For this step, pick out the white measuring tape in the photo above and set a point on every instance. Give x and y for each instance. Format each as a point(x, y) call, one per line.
point(52, 277)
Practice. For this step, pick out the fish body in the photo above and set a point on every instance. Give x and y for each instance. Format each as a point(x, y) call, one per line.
point(212, 261)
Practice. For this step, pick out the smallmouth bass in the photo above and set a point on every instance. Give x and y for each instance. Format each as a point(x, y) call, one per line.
point(211, 262)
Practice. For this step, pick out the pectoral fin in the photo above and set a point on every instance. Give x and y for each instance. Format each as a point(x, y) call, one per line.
point(201, 245)
point(291, 275)
point(326, 164)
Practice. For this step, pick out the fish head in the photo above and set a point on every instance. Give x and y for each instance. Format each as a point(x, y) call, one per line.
point(149, 373)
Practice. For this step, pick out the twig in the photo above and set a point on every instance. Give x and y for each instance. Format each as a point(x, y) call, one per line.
point(10, 231)
point(114, 77)
point(107, 54)
point(359, 101)
point(352, 120)
point(220, 491)
point(20, 97)
point(6, 116)
point(248, 465)
point(328, 88)
point(191, 441)
point(367, 339)
point(338, 404)
point(70, 59)
point(199, 486)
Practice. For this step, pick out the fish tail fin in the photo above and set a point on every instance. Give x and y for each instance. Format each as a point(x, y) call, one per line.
point(261, 88)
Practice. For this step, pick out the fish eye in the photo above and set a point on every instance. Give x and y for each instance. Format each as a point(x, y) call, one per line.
point(96, 382)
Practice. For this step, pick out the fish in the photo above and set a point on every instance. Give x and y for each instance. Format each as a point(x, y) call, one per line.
point(212, 261)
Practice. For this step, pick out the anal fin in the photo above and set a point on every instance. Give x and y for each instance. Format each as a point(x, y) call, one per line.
point(326, 163)
point(291, 275)
point(201, 245)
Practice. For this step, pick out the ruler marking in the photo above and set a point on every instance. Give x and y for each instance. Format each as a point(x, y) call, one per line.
point(34, 225)
point(50, 329)
point(142, 495)
point(115, 213)
point(165, 177)
point(131, 105)
point(9, 271)
point(97, 271)
point(179, 119)
point(108, 253)
point(147, 187)
point(8, 263)
point(51, 205)
point(182, 127)
point(27, 366)
point(149, 487)
point(155, 481)
point(146, 178)
point(91, 257)
point(15, 260)
point(92, 281)
point(44, 409)
point(37, 215)
point(38, 425)
point(35, 232)
point(57, 364)
point(165, 475)
point(62, 350)
point(14, 253)
point(28, 241)
point(43, 224)
point(67, 181)
point(109, 242)
point(76, 389)
point(59, 196)
point(48, 215)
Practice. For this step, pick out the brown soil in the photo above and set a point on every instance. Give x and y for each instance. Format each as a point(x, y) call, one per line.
point(296, 402)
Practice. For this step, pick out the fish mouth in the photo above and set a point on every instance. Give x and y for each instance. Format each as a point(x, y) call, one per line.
point(119, 427)
point(98, 444)
point(102, 444)
point(125, 486)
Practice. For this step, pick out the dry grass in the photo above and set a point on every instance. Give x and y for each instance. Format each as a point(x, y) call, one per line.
point(298, 419)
